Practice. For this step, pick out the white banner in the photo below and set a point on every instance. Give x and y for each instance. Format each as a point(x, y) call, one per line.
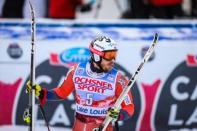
point(164, 94)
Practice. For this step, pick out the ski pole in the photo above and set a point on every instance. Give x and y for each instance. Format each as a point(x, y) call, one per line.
point(28, 115)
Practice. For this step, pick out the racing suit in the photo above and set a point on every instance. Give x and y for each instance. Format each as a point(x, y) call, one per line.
point(95, 93)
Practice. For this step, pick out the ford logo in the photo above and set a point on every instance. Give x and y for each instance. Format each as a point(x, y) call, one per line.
point(75, 55)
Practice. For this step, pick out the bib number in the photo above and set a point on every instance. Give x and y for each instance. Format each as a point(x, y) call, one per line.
point(89, 99)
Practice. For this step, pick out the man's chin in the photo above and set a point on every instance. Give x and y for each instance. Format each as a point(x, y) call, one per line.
point(107, 69)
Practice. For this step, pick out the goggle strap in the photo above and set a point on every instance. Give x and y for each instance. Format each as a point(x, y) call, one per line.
point(96, 51)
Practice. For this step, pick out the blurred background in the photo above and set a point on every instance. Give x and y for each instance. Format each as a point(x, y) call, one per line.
point(101, 9)
point(165, 94)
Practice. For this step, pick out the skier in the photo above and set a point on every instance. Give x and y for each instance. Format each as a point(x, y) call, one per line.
point(97, 85)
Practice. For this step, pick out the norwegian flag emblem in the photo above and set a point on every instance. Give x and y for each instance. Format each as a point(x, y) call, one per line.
point(191, 60)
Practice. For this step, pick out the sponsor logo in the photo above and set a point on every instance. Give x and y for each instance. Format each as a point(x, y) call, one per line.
point(92, 111)
point(102, 48)
point(127, 100)
point(70, 57)
point(93, 82)
point(111, 77)
point(14, 51)
point(143, 52)
point(90, 88)
point(80, 71)
point(178, 100)
point(122, 82)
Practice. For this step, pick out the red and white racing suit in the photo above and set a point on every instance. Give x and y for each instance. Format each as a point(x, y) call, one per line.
point(95, 93)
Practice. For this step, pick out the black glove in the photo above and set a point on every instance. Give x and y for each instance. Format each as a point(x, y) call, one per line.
point(86, 7)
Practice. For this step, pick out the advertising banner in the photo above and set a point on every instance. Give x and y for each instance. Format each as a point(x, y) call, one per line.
point(164, 94)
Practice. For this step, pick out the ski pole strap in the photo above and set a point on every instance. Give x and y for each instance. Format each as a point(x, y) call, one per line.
point(44, 116)
point(100, 128)
point(116, 126)
point(27, 116)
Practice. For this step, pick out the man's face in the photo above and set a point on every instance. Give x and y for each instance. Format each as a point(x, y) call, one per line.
point(108, 60)
point(107, 65)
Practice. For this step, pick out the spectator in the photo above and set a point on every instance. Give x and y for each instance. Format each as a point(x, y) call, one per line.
point(137, 9)
point(13, 9)
point(167, 9)
point(66, 9)
point(1, 6)
point(194, 8)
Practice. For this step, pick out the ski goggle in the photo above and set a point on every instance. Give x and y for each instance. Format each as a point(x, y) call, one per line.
point(107, 55)
point(110, 55)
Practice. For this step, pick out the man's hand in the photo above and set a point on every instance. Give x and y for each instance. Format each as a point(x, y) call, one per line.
point(114, 113)
point(39, 92)
point(37, 87)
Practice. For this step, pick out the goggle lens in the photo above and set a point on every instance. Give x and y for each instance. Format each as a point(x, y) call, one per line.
point(110, 55)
